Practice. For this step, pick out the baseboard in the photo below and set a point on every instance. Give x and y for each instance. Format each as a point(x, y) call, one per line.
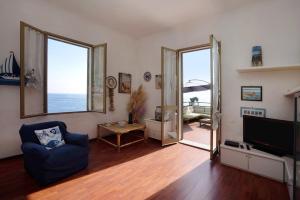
point(12, 157)
point(21, 155)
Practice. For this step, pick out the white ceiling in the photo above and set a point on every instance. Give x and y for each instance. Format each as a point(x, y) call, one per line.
point(139, 18)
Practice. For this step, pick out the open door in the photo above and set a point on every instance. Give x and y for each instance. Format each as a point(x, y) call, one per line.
point(169, 96)
point(215, 97)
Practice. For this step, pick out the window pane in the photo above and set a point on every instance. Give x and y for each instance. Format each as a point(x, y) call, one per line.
point(67, 77)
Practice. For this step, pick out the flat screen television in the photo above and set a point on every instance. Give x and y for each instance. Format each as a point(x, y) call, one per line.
point(270, 135)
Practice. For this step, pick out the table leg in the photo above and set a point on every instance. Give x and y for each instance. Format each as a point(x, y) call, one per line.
point(99, 133)
point(118, 142)
point(145, 135)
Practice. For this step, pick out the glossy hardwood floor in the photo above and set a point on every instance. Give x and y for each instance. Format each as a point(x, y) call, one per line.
point(193, 132)
point(143, 171)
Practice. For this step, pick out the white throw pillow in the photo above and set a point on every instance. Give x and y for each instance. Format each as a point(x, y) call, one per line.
point(50, 137)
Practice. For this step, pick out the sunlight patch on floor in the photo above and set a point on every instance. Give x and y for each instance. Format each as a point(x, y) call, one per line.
point(148, 168)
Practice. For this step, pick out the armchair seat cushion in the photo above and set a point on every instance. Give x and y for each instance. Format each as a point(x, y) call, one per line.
point(65, 157)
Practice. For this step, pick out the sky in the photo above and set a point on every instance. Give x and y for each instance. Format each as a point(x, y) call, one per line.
point(196, 65)
point(67, 68)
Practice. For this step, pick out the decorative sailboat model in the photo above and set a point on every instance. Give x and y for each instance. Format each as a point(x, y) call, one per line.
point(10, 71)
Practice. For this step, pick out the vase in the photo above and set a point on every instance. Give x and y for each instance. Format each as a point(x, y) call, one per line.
point(130, 118)
point(158, 113)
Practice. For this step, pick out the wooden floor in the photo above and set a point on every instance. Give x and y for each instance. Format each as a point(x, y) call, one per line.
point(143, 171)
point(193, 132)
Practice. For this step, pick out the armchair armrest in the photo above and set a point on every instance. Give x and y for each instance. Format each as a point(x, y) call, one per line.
point(35, 150)
point(77, 139)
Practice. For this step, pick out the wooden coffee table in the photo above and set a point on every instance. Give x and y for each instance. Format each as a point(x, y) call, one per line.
point(120, 130)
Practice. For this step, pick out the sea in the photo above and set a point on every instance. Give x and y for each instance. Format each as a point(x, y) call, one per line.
point(66, 102)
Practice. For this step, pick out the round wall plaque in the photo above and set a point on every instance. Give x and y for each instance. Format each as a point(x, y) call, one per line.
point(147, 76)
point(111, 82)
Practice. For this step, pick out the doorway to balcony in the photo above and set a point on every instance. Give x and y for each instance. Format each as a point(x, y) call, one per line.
point(196, 97)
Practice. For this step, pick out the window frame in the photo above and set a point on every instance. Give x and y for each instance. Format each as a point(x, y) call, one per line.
point(67, 40)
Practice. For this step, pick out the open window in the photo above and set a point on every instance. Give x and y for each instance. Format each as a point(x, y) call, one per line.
point(60, 75)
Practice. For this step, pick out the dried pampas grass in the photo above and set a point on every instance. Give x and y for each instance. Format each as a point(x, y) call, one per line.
point(136, 104)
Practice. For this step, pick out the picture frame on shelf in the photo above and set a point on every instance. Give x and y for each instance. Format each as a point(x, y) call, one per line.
point(251, 93)
point(257, 112)
point(257, 58)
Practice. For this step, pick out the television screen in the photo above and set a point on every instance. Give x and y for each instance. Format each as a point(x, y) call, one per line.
point(270, 135)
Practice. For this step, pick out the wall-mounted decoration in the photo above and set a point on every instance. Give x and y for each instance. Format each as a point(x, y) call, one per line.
point(124, 83)
point(251, 93)
point(257, 56)
point(147, 76)
point(257, 112)
point(158, 81)
point(111, 84)
point(10, 71)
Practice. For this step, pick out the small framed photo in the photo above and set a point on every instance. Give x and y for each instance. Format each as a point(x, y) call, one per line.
point(257, 112)
point(251, 93)
point(124, 83)
point(158, 82)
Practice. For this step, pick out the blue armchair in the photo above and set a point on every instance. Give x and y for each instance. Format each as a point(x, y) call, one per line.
point(48, 166)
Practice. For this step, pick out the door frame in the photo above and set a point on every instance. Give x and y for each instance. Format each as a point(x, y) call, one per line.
point(180, 62)
point(181, 52)
point(216, 151)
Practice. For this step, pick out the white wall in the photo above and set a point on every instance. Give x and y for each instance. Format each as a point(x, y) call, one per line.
point(121, 58)
point(273, 24)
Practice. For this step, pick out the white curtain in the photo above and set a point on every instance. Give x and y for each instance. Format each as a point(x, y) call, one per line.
point(34, 55)
point(170, 77)
point(98, 78)
point(34, 71)
point(216, 84)
point(170, 93)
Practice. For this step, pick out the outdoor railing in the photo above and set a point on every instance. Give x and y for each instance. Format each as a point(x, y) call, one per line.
point(196, 104)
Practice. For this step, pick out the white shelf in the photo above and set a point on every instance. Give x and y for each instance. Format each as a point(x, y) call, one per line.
point(292, 91)
point(254, 161)
point(268, 68)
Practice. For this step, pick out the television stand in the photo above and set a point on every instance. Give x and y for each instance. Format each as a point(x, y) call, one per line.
point(254, 161)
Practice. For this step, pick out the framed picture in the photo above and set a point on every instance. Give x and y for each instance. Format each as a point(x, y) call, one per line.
point(251, 93)
point(257, 112)
point(124, 83)
point(157, 81)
